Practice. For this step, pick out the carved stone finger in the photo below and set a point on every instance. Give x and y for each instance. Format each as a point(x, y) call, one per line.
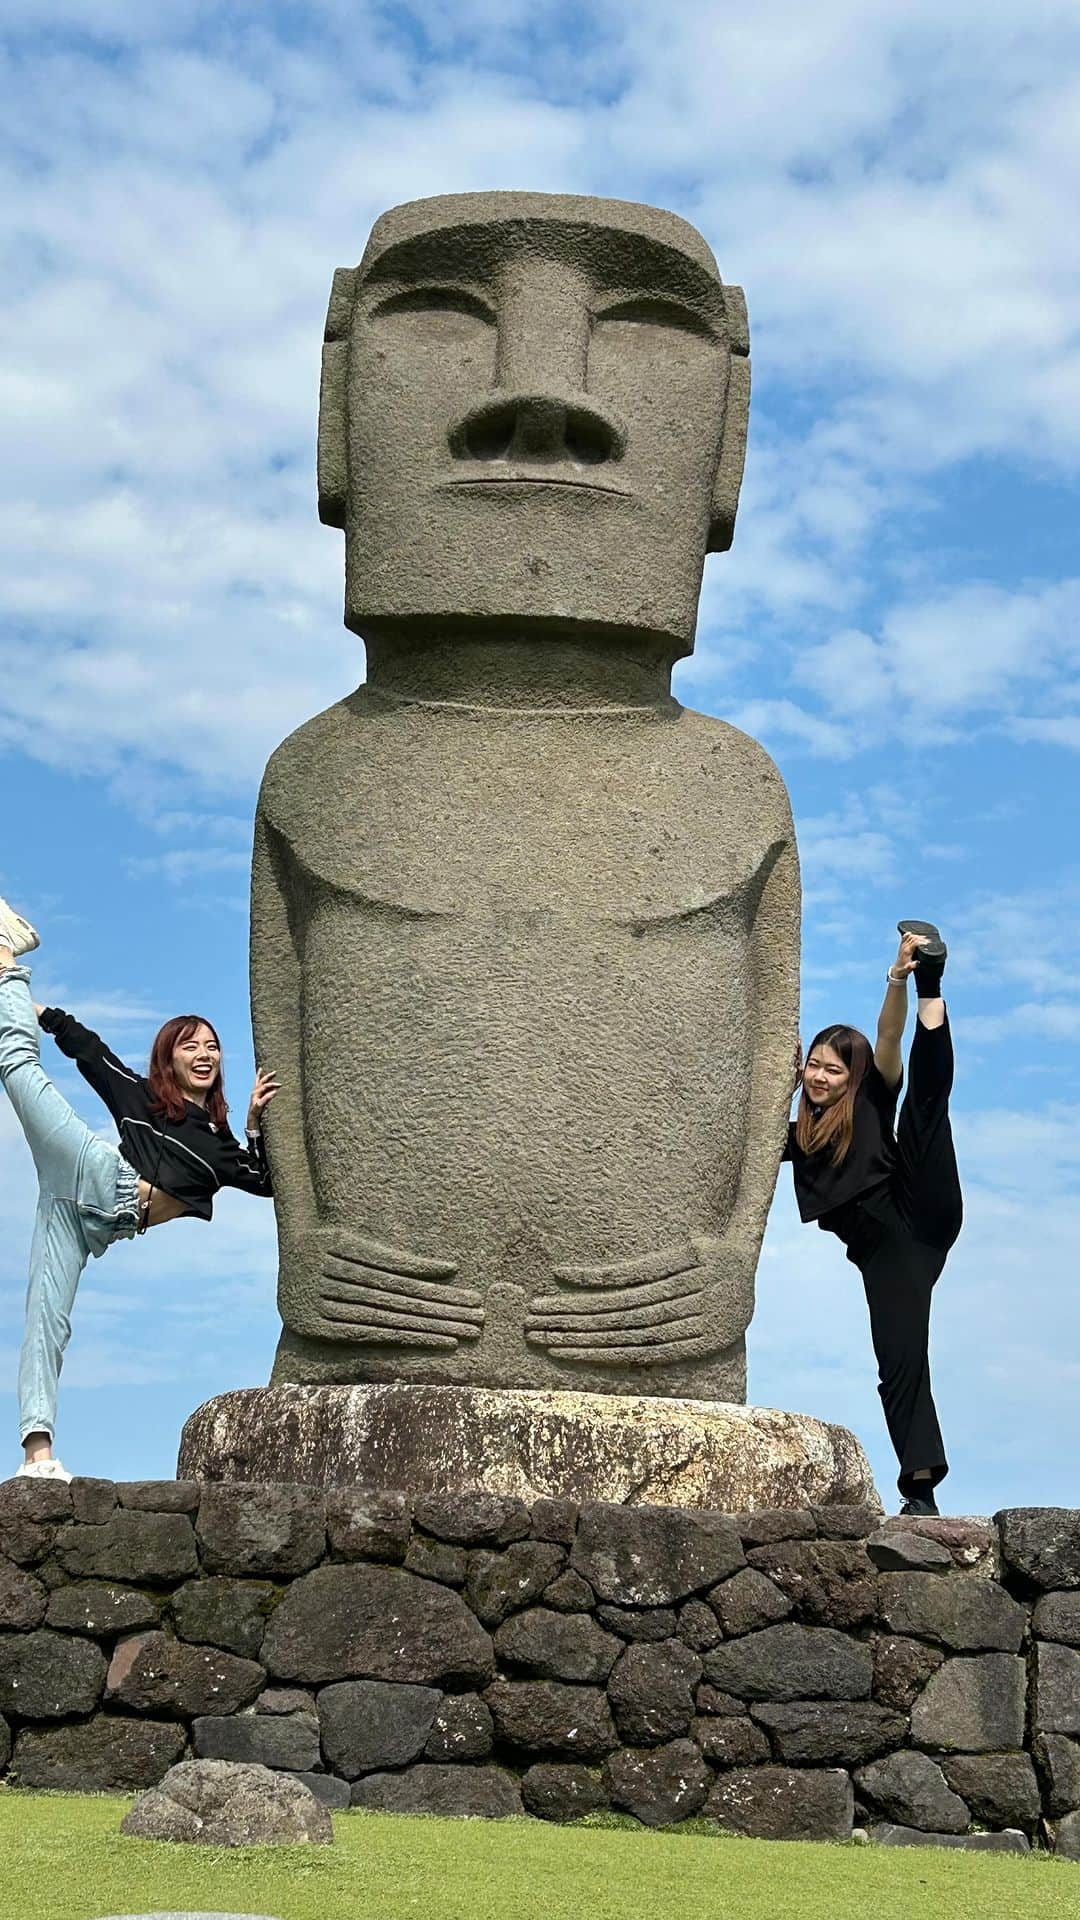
point(380, 1337)
point(659, 1314)
point(357, 1274)
point(646, 1337)
point(679, 1287)
point(622, 1273)
point(639, 1356)
point(384, 1298)
point(372, 1253)
point(412, 1322)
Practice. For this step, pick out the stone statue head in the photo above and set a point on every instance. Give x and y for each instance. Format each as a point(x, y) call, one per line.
point(533, 415)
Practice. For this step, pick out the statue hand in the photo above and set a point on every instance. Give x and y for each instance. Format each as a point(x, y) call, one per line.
point(379, 1295)
point(683, 1303)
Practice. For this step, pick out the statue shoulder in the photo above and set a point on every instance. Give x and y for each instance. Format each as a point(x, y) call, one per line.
point(296, 770)
point(733, 763)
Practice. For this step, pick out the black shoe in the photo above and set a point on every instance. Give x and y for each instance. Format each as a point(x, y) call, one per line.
point(933, 947)
point(920, 1509)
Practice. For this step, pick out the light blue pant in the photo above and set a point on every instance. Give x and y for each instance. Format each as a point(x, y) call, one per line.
point(88, 1197)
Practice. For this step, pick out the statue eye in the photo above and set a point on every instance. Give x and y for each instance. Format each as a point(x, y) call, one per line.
point(451, 301)
point(648, 312)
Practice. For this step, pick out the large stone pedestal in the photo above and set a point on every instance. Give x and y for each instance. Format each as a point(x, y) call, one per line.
point(580, 1446)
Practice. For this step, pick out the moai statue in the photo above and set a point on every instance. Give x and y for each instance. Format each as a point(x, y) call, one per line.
point(525, 929)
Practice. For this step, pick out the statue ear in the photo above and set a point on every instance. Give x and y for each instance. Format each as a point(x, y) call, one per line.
point(729, 470)
point(333, 459)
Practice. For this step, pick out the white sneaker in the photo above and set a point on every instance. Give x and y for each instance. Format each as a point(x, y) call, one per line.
point(43, 1470)
point(15, 932)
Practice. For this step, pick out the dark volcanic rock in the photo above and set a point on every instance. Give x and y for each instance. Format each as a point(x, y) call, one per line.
point(1000, 1788)
point(769, 1524)
point(498, 1584)
point(376, 1623)
point(222, 1804)
point(46, 1676)
point(366, 1525)
point(473, 1519)
point(833, 1583)
point(30, 1514)
point(699, 1627)
point(562, 1792)
point(1067, 1837)
point(249, 1528)
point(908, 1553)
point(285, 1700)
point(22, 1599)
point(1058, 1761)
point(150, 1673)
point(1042, 1544)
point(901, 1670)
point(660, 1785)
point(966, 1615)
point(646, 1623)
point(99, 1608)
point(557, 1646)
point(332, 1792)
point(651, 1691)
point(543, 1716)
point(852, 1522)
point(651, 1556)
point(789, 1662)
point(1056, 1697)
point(749, 1602)
point(489, 1791)
point(710, 1699)
point(108, 1754)
point(820, 1733)
point(972, 1705)
point(159, 1496)
point(92, 1500)
point(5, 1744)
point(220, 1612)
point(154, 1548)
point(436, 1560)
point(911, 1788)
point(771, 1803)
point(461, 1730)
point(732, 1741)
point(569, 1594)
point(369, 1724)
point(289, 1742)
point(1057, 1617)
point(555, 1520)
point(888, 1834)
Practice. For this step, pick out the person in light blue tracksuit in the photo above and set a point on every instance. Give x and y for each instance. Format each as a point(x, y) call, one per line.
point(176, 1151)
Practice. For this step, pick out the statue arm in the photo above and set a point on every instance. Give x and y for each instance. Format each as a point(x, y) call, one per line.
point(694, 1299)
point(275, 1012)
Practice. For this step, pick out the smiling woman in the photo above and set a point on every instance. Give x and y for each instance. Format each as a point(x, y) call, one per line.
point(176, 1151)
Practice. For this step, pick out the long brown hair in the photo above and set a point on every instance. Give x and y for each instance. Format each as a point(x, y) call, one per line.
point(834, 1127)
point(168, 1099)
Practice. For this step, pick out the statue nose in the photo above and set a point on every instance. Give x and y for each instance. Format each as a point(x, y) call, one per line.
point(538, 427)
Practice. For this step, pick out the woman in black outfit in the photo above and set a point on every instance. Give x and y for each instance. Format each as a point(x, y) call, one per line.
point(893, 1199)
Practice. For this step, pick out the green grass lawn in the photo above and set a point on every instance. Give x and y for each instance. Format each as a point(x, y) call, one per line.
point(63, 1858)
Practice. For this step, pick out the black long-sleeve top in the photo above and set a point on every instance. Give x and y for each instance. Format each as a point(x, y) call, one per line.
point(189, 1158)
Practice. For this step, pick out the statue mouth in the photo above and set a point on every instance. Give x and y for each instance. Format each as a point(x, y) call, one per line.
point(535, 480)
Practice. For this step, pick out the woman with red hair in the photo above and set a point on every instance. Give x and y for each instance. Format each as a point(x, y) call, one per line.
point(893, 1199)
point(176, 1150)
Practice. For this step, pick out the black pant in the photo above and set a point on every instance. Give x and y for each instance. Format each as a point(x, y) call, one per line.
point(908, 1231)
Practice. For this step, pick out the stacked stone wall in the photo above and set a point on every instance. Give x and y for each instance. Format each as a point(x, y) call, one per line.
point(781, 1673)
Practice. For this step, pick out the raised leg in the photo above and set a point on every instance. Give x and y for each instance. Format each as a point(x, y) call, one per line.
point(927, 1182)
point(54, 1133)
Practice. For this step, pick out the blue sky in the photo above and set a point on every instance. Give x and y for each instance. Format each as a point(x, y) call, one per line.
point(895, 188)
